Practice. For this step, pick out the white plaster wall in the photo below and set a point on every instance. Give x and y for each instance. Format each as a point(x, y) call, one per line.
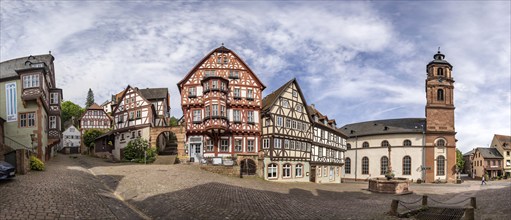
point(304, 178)
point(120, 144)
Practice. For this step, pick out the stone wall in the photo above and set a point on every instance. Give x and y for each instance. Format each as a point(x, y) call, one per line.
point(224, 170)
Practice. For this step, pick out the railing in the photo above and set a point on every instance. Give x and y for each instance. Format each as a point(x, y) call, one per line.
point(15, 145)
point(468, 212)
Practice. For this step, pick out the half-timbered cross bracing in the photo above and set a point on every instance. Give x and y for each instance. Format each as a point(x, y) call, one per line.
point(221, 102)
point(286, 134)
point(328, 147)
point(94, 117)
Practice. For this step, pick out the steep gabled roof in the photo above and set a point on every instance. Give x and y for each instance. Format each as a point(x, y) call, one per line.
point(489, 153)
point(269, 100)
point(388, 126)
point(469, 153)
point(95, 106)
point(154, 93)
point(220, 49)
point(504, 140)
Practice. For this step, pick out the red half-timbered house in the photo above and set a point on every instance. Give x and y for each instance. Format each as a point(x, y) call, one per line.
point(94, 117)
point(221, 102)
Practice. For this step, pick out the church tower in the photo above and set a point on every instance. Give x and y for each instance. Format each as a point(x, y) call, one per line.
point(440, 150)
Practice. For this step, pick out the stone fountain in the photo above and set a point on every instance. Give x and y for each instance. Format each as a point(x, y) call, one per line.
point(389, 184)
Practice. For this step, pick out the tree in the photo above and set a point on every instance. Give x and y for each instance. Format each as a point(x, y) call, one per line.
point(460, 163)
point(135, 151)
point(90, 135)
point(90, 98)
point(70, 110)
point(173, 121)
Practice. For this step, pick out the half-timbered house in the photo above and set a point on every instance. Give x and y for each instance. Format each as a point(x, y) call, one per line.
point(94, 117)
point(221, 102)
point(286, 134)
point(328, 147)
point(135, 112)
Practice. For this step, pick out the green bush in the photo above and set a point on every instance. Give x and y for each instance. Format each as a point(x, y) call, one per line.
point(135, 151)
point(36, 164)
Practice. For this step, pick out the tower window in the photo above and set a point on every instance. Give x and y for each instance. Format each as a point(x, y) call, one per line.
point(440, 95)
point(440, 71)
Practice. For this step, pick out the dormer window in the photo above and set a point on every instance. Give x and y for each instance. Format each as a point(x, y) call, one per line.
point(54, 98)
point(30, 81)
point(192, 92)
point(325, 122)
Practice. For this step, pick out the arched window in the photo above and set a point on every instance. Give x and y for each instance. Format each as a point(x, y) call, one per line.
point(348, 146)
point(440, 143)
point(440, 95)
point(299, 170)
point(347, 166)
point(440, 71)
point(385, 143)
point(384, 165)
point(407, 143)
point(440, 165)
point(365, 145)
point(286, 171)
point(365, 165)
point(407, 165)
point(272, 170)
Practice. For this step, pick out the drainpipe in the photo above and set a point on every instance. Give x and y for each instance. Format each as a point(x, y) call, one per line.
point(423, 171)
point(356, 156)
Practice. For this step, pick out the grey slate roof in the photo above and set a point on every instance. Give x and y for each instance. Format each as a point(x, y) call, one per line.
point(388, 126)
point(154, 93)
point(469, 153)
point(7, 68)
point(489, 153)
point(272, 97)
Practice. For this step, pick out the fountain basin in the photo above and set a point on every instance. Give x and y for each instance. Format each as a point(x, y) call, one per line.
point(392, 186)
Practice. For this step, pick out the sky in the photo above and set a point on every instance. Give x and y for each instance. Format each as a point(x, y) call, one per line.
point(355, 60)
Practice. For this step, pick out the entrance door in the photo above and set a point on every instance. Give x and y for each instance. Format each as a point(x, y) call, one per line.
point(196, 152)
point(312, 175)
point(248, 167)
point(332, 176)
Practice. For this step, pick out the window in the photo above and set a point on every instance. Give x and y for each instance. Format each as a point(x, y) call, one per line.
point(214, 84)
point(53, 122)
point(407, 165)
point(348, 146)
point(293, 124)
point(272, 170)
point(132, 134)
point(365, 165)
point(385, 143)
point(237, 145)
point(440, 165)
point(365, 145)
point(237, 115)
point(266, 143)
point(28, 119)
point(222, 111)
point(292, 144)
point(234, 74)
point(299, 170)
point(384, 165)
point(224, 145)
point(206, 86)
point(192, 92)
point(284, 103)
point(122, 137)
point(277, 143)
point(196, 115)
point(139, 133)
point(223, 86)
point(132, 115)
point(440, 71)
point(11, 100)
point(320, 152)
point(215, 110)
point(347, 166)
point(286, 144)
point(250, 116)
point(209, 145)
point(250, 94)
point(324, 171)
point(440, 143)
point(298, 108)
point(208, 73)
point(250, 146)
point(295, 94)
point(288, 123)
point(54, 98)
point(30, 81)
point(139, 114)
point(237, 93)
point(407, 143)
point(286, 171)
point(279, 121)
point(440, 95)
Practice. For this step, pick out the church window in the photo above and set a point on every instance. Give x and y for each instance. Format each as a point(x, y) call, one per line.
point(385, 143)
point(348, 146)
point(347, 166)
point(440, 95)
point(384, 165)
point(407, 165)
point(440, 143)
point(440, 165)
point(440, 71)
point(365, 165)
point(365, 145)
point(407, 143)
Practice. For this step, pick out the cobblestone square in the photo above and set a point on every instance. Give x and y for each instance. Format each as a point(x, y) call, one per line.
point(89, 188)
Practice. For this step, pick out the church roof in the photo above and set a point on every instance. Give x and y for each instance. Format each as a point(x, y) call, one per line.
point(388, 126)
point(439, 59)
point(8, 68)
point(489, 153)
point(154, 93)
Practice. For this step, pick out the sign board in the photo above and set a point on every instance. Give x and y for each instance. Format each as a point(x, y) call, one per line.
point(217, 161)
point(228, 162)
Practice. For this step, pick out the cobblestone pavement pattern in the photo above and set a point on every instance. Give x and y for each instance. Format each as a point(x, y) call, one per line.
point(65, 190)
point(186, 192)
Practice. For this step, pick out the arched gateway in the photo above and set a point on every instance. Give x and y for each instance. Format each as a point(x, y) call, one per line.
point(248, 167)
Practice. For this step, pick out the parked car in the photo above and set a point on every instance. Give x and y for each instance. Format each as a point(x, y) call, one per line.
point(6, 170)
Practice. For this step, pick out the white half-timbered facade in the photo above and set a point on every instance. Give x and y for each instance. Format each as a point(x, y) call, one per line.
point(328, 147)
point(221, 102)
point(286, 134)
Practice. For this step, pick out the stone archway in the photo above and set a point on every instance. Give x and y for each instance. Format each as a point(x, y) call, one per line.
point(166, 143)
point(248, 167)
